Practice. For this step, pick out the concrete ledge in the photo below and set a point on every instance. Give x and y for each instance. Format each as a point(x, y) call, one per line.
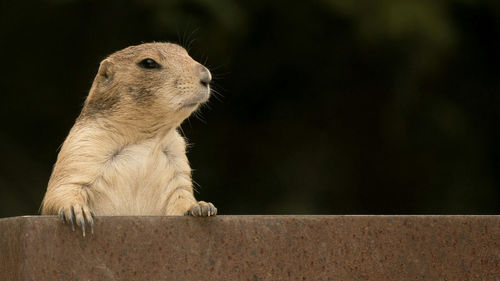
point(253, 248)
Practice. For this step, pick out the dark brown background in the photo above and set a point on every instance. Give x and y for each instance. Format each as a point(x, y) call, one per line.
point(328, 107)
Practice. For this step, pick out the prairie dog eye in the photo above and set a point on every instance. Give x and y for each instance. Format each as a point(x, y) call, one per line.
point(149, 64)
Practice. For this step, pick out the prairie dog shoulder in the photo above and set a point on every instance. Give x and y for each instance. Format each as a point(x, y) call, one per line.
point(124, 155)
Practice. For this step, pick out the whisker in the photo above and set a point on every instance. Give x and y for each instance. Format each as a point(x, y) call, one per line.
point(196, 186)
point(200, 117)
point(191, 39)
point(216, 95)
point(182, 131)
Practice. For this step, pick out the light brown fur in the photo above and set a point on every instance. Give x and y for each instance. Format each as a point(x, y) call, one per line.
point(124, 155)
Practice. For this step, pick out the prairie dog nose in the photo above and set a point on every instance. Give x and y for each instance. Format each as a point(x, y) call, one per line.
point(205, 76)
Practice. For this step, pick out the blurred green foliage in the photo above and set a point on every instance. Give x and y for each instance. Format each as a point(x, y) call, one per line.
point(331, 107)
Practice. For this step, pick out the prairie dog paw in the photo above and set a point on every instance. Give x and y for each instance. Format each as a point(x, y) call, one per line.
point(77, 214)
point(202, 209)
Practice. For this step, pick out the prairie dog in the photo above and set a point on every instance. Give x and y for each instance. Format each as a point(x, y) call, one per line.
point(124, 155)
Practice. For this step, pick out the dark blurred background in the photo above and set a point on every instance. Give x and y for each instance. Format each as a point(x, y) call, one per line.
point(327, 107)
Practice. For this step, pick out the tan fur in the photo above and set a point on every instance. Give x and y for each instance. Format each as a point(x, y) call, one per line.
point(124, 156)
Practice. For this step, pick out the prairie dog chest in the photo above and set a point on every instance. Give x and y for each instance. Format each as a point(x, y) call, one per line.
point(147, 168)
point(146, 157)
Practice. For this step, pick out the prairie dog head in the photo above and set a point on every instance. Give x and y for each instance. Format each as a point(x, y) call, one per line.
point(148, 85)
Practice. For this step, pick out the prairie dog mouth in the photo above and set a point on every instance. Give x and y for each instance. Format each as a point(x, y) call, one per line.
point(198, 98)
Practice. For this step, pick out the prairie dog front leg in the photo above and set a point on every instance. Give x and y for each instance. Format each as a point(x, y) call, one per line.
point(182, 202)
point(70, 202)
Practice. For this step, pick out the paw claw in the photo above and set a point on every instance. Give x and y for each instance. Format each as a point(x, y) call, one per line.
point(68, 216)
point(61, 215)
point(89, 216)
point(81, 223)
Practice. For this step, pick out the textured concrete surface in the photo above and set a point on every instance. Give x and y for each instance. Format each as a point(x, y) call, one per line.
point(253, 248)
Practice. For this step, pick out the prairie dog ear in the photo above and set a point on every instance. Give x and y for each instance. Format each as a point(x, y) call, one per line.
point(106, 71)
